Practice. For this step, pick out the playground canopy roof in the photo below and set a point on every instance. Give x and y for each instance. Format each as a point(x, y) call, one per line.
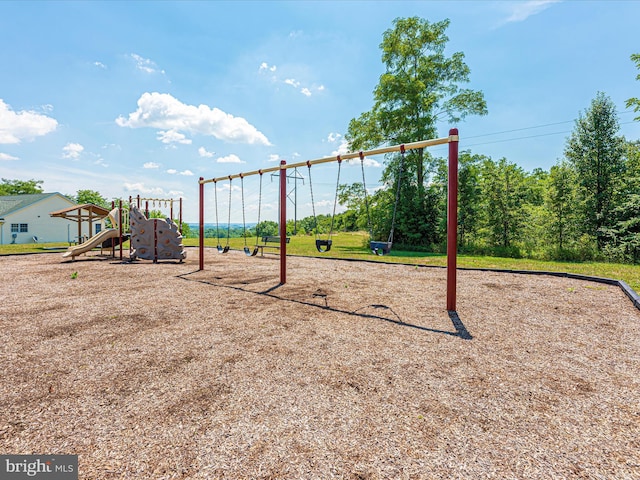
point(87, 211)
point(80, 213)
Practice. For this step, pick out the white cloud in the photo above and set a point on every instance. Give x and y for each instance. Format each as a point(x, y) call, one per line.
point(345, 148)
point(146, 65)
point(163, 111)
point(274, 157)
point(141, 188)
point(151, 165)
point(520, 11)
point(342, 148)
point(100, 65)
point(231, 158)
point(370, 162)
point(333, 137)
point(227, 185)
point(264, 66)
point(18, 126)
point(173, 136)
point(304, 90)
point(72, 150)
point(186, 173)
point(100, 162)
point(322, 203)
point(204, 153)
point(6, 157)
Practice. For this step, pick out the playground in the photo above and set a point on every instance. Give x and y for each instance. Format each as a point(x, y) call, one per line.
point(349, 370)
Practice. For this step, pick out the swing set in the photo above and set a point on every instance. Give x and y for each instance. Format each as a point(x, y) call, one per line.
point(324, 245)
point(248, 251)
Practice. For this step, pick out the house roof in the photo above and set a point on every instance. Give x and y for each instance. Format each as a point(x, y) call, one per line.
point(12, 203)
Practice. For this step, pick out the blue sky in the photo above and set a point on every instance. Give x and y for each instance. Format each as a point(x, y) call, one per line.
point(143, 98)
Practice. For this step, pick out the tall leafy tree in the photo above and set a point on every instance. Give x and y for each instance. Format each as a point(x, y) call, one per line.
point(20, 187)
point(504, 190)
point(623, 233)
point(91, 196)
point(420, 86)
point(635, 101)
point(560, 203)
point(469, 195)
point(596, 151)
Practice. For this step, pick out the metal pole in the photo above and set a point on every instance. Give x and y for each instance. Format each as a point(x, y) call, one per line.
point(295, 201)
point(120, 216)
point(283, 223)
point(201, 220)
point(113, 246)
point(452, 221)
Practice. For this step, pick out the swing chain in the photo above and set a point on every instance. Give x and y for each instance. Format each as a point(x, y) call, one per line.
point(335, 200)
point(215, 195)
point(259, 209)
point(313, 204)
point(229, 216)
point(395, 205)
point(244, 225)
point(366, 196)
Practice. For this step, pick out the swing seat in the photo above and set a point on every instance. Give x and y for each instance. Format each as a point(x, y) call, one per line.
point(223, 250)
point(251, 253)
point(380, 248)
point(323, 245)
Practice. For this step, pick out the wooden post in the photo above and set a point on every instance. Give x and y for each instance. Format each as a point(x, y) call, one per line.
point(79, 226)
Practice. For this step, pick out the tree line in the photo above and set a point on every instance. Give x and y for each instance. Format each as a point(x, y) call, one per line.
point(586, 206)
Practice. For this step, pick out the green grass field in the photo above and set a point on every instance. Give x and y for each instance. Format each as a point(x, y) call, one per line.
point(353, 246)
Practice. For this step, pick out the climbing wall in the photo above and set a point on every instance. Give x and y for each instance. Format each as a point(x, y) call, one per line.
point(154, 238)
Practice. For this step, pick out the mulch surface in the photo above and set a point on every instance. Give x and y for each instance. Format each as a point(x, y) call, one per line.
point(349, 370)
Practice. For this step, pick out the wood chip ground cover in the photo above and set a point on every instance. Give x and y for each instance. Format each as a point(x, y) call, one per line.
point(350, 370)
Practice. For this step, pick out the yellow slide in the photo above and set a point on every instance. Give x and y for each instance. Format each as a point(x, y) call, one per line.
point(90, 244)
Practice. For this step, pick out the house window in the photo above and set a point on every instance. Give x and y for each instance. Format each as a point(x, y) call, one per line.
point(98, 228)
point(19, 227)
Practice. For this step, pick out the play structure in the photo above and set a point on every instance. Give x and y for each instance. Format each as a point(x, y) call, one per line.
point(154, 238)
point(324, 244)
point(99, 239)
point(150, 238)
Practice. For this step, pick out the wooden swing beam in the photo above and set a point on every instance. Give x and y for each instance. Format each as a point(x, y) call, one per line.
point(452, 201)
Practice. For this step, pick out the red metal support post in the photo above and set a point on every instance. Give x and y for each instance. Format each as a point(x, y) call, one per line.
point(452, 221)
point(201, 224)
point(283, 223)
point(120, 217)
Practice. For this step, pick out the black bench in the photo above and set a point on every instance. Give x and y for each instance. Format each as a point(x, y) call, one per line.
point(267, 240)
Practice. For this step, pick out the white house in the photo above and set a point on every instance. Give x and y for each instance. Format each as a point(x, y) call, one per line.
point(27, 219)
